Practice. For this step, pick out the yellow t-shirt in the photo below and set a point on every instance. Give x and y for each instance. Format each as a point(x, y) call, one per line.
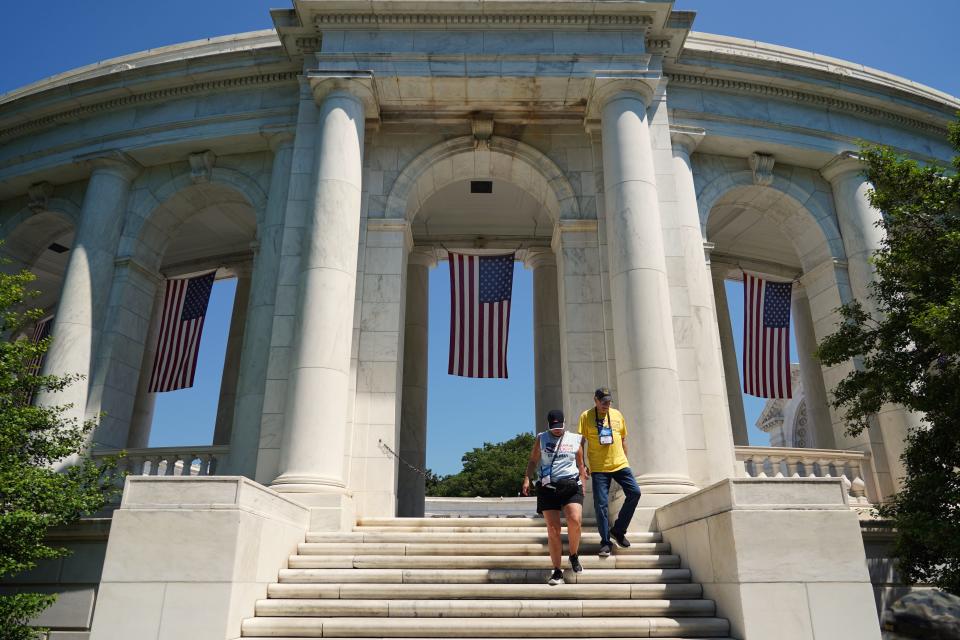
point(605, 458)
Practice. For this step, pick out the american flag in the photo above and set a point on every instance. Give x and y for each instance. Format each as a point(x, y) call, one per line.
point(41, 331)
point(766, 338)
point(181, 325)
point(480, 290)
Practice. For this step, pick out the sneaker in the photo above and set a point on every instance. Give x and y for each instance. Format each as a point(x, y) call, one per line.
point(556, 578)
point(604, 551)
point(620, 539)
point(575, 563)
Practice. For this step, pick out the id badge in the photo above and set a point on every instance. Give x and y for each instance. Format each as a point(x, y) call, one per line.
point(545, 481)
point(606, 435)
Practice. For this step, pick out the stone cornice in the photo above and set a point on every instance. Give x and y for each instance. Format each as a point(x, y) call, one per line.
point(843, 163)
point(478, 20)
point(818, 100)
point(127, 101)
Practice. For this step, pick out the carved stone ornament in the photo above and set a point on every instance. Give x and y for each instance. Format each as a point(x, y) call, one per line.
point(762, 166)
point(482, 126)
point(39, 195)
point(201, 166)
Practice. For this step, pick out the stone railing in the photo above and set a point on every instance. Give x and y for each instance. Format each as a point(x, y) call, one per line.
point(168, 461)
point(854, 468)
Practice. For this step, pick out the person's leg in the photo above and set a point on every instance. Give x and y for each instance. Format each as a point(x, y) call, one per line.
point(601, 487)
point(631, 494)
point(574, 514)
point(552, 517)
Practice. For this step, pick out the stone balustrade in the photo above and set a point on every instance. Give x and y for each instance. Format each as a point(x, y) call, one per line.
point(854, 468)
point(168, 461)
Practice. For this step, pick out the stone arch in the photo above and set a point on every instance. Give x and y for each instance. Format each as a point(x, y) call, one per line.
point(458, 159)
point(27, 233)
point(153, 222)
point(809, 223)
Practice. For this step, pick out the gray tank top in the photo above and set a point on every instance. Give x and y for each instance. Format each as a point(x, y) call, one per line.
point(565, 465)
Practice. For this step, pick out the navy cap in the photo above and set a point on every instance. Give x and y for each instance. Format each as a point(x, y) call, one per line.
point(555, 419)
point(603, 394)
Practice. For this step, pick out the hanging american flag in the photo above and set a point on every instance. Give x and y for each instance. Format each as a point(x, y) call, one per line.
point(181, 325)
point(766, 338)
point(41, 331)
point(480, 290)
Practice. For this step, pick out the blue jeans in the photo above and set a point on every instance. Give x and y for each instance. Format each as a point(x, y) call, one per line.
point(601, 492)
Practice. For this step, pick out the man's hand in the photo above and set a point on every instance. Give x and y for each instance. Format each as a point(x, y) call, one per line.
point(525, 488)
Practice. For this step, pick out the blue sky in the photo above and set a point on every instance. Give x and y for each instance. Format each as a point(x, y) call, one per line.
point(919, 43)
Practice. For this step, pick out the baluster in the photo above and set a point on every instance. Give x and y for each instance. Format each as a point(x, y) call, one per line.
point(792, 464)
point(858, 488)
point(208, 465)
point(762, 473)
point(137, 464)
point(775, 469)
point(187, 468)
point(154, 465)
point(824, 467)
point(171, 464)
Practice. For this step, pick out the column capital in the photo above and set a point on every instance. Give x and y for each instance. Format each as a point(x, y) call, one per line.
point(686, 139)
point(111, 161)
point(278, 136)
point(423, 256)
point(842, 165)
point(131, 264)
point(357, 84)
point(638, 85)
point(540, 257)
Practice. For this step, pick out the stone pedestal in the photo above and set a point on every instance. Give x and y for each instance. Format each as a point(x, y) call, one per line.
point(86, 284)
point(547, 374)
point(314, 433)
point(781, 558)
point(411, 490)
point(647, 379)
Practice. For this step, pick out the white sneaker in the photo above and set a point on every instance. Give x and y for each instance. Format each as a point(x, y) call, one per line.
point(556, 578)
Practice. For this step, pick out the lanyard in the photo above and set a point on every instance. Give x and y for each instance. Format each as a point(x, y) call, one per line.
point(556, 450)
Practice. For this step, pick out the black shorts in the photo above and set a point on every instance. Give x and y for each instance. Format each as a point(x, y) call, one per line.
point(551, 500)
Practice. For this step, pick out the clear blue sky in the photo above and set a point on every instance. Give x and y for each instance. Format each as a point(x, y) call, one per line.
point(918, 42)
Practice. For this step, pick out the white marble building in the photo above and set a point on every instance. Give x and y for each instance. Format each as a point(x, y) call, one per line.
point(327, 163)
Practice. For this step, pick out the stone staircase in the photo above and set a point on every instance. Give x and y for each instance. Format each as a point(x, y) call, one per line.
point(478, 578)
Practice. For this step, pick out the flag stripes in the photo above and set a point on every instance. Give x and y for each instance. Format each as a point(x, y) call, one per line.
point(181, 326)
point(480, 293)
point(766, 338)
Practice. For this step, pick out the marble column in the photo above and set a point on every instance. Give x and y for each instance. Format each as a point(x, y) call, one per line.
point(718, 437)
point(647, 378)
point(223, 426)
point(141, 420)
point(547, 373)
point(814, 391)
point(86, 284)
point(314, 432)
point(248, 407)
point(861, 237)
point(411, 490)
point(728, 351)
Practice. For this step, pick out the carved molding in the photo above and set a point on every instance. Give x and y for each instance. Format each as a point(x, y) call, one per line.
point(826, 102)
point(201, 166)
point(366, 20)
point(762, 166)
point(181, 91)
point(482, 126)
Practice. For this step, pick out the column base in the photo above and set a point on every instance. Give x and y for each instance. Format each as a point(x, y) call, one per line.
point(669, 485)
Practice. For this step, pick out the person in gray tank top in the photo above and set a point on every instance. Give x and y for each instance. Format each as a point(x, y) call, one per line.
point(557, 459)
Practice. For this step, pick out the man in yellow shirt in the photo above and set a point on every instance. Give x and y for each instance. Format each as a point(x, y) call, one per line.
point(605, 432)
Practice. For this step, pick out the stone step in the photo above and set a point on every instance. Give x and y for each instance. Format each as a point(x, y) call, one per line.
point(523, 521)
point(633, 627)
point(542, 608)
point(445, 535)
point(476, 562)
point(480, 576)
point(459, 549)
point(456, 637)
point(402, 591)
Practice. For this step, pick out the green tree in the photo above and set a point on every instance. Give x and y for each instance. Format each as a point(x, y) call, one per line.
point(909, 354)
point(490, 471)
point(33, 496)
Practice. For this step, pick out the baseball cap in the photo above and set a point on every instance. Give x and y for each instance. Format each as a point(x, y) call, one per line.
point(555, 419)
point(603, 394)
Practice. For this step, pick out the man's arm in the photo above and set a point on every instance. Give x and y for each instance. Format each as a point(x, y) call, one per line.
point(531, 466)
point(584, 472)
point(623, 441)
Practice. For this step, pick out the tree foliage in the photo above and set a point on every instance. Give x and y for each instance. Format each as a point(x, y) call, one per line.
point(34, 496)
point(909, 354)
point(490, 471)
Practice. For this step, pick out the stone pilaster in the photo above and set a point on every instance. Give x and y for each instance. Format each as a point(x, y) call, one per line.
point(413, 414)
point(312, 453)
point(223, 426)
point(547, 373)
point(728, 352)
point(814, 392)
point(144, 403)
point(715, 412)
point(647, 377)
point(245, 438)
point(87, 282)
